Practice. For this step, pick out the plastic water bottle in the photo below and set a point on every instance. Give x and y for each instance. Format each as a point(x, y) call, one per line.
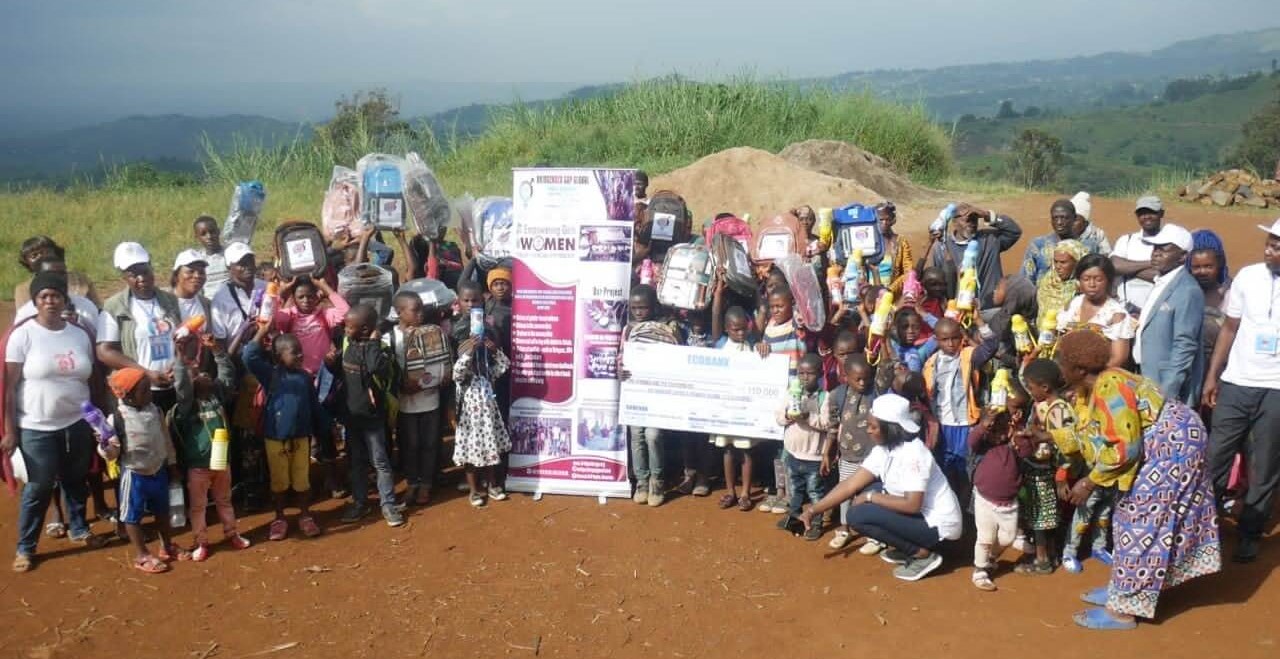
point(646, 272)
point(1049, 332)
point(853, 277)
point(796, 392)
point(1021, 334)
point(940, 223)
point(835, 283)
point(191, 326)
point(270, 301)
point(477, 322)
point(98, 421)
point(177, 506)
point(218, 450)
point(1000, 388)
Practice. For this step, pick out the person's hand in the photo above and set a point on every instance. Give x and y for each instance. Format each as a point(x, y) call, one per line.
point(987, 419)
point(467, 347)
point(398, 233)
point(1063, 491)
point(763, 348)
point(161, 379)
point(623, 375)
point(211, 343)
point(489, 344)
point(183, 343)
point(1210, 396)
point(9, 443)
point(1080, 492)
point(806, 517)
point(824, 468)
point(331, 356)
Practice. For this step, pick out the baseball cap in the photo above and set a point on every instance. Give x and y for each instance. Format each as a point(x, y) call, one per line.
point(1149, 201)
point(237, 251)
point(130, 254)
point(187, 257)
point(1171, 234)
point(1274, 229)
point(894, 409)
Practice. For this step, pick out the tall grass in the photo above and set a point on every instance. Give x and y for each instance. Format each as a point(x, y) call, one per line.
point(657, 126)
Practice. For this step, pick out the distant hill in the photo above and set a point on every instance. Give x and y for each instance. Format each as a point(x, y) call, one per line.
point(170, 141)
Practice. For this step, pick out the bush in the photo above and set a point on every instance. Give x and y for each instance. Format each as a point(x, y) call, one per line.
point(1259, 147)
point(1037, 158)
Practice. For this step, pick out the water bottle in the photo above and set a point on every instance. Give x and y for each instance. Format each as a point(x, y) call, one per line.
point(1049, 332)
point(835, 283)
point(270, 300)
point(940, 223)
point(477, 322)
point(796, 392)
point(1021, 334)
point(853, 277)
point(646, 272)
point(191, 326)
point(98, 421)
point(218, 453)
point(177, 506)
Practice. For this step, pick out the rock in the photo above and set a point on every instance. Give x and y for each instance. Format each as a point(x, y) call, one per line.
point(1205, 201)
point(1229, 186)
point(1185, 191)
point(1221, 197)
point(1255, 202)
point(1244, 191)
point(1204, 189)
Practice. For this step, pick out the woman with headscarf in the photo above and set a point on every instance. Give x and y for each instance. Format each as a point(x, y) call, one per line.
point(896, 260)
point(1152, 450)
point(1058, 286)
point(1207, 262)
point(48, 372)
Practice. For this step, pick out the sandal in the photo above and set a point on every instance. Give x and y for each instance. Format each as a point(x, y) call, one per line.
point(55, 530)
point(22, 563)
point(1096, 597)
point(685, 487)
point(1101, 619)
point(150, 565)
point(1034, 569)
point(982, 581)
point(173, 553)
point(744, 503)
point(727, 501)
point(308, 525)
point(279, 529)
point(90, 540)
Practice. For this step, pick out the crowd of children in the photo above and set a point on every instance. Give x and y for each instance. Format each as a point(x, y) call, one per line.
point(918, 391)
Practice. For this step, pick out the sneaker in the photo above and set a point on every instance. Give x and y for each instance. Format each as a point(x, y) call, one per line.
point(916, 569)
point(701, 487)
point(783, 524)
point(279, 530)
point(686, 486)
point(238, 541)
point(1072, 564)
point(200, 554)
point(781, 505)
point(497, 493)
point(656, 494)
point(840, 539)
point(353, 514)
point(814, 532)
point(462, 486)
point(871, 548)
point(766, 506)
point(477, 500)
point(1021, 545)
point(393, 516)
point(982, 580)
point(895, 556)
point(642, 495)
point(1246, 550)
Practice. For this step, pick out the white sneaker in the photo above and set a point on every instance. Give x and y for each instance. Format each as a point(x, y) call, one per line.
point(840, 539)
point(870, 548)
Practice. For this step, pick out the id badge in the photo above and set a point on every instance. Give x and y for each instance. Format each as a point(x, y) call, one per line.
point(1267, 342)
point(160, 341)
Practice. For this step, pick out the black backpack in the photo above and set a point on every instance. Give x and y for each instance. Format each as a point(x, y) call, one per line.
point(668, 222)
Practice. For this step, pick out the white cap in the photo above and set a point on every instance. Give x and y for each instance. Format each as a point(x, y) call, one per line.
point(187, 257)
point(1171, 234)
point(236, 252)
point(894, 409)
point(1149, 201)
point(1274, 229)
point(130, 254)
point(1084, 207)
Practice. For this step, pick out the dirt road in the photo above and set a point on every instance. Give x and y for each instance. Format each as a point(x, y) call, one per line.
point(567, 577)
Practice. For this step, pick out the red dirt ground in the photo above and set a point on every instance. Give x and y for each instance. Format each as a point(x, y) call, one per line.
point(567, 577)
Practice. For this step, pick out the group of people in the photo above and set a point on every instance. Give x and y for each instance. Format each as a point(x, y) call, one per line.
point(1069, 408)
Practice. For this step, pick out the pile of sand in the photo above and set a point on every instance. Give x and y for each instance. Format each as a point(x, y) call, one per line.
point(846, 161)
point(747, 180)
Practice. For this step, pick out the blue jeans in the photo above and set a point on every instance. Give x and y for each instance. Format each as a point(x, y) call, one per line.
point(804, 481)
point(646, 455)
point(908, 533)
point(51, 456)
point(367, 443)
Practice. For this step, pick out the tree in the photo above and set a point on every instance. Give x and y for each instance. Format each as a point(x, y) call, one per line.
point(1006, 110)
point(364, 117)
point(1037, 158)
point(1259, 146)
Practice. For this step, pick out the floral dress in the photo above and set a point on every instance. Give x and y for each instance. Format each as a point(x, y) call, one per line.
point(481, 437)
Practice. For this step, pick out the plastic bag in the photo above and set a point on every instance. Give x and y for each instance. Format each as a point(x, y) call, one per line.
point(340, 214)
point(435, 295)
point(464, 208)
point(810, 311)
point(493, 229)
point(246, 207)
point(426, 198)
point(382, 190)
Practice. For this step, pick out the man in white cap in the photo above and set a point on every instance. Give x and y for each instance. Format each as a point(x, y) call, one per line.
point(233, 304)
point(1132, 256)
point(1085, 230)
point(1167, 345)
point(1245, 397)
point(136, 325)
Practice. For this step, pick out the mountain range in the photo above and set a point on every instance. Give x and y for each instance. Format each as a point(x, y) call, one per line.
point(173, 141)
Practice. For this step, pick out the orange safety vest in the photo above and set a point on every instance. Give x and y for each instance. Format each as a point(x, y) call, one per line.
point(966, 372)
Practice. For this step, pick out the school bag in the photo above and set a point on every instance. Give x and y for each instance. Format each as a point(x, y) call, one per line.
point(652, 331)
point(425, 196)
point(810, 310)
point(382, 389)
point(855, 228)
point(730, 254)
point(424, 346)
point(733, 227)
point(246, 207)
point(687, 276)
point(340, 213)
point(669, 223)
point(366, 283)
point(778, 237)
point(382, 183)
point(300, 250)
point(489, 225)
point(434, 294)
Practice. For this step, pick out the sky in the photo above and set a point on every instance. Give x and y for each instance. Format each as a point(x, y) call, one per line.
point(291, 58)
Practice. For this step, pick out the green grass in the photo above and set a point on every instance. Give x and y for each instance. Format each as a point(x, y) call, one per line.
point(656, 126)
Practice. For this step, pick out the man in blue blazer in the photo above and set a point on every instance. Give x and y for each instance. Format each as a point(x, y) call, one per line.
point(1167, 347)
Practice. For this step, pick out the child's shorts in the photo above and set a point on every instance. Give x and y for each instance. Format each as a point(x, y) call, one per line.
point(742, 443)
point(140, 495)
point(289, 463)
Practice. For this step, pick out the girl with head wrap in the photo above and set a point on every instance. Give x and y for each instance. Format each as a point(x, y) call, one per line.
point(1058, 286)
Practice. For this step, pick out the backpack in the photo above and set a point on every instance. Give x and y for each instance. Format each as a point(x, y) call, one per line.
point(778, 237)
point(425, 346)
point(384, 389)
point(733, 227)
point(492, 230)
point(855, 227)
point(652, 331)
point(668, 223)
point(383, 188)
point(425, 197)
point(687, 276)
point(300, 250)
point(731, 254)
point(369, 284)
point(810, 309)
point(340, 213)
point(242, 218)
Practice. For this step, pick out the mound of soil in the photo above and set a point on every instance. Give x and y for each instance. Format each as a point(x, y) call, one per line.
point(846, 161)
point(747, 180)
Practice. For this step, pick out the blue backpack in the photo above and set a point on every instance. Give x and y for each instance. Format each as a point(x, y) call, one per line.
point(855, 227)
point(384, 196)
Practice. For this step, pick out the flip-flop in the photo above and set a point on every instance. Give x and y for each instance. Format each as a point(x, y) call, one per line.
point(173, 553)
point(1103, 556)
point(55, 530)
point(1101, 619)
point(1096, 597)
point(150, 565)
point(22, 563)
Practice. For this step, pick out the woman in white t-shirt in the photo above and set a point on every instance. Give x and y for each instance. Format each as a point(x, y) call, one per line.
point(1095, 307)
point(48, 369)
point(187, 281)
point(900, 496)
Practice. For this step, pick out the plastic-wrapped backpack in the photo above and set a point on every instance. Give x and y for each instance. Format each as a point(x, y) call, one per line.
point(810, 309)
point(492, 230)
point(730, 254)
point(246, 207)
point(340, 214)
point(382, 190)
point(687, 275)
point(427, 201)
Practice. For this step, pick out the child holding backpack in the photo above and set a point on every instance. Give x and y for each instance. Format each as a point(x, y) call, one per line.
point(368, 375)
